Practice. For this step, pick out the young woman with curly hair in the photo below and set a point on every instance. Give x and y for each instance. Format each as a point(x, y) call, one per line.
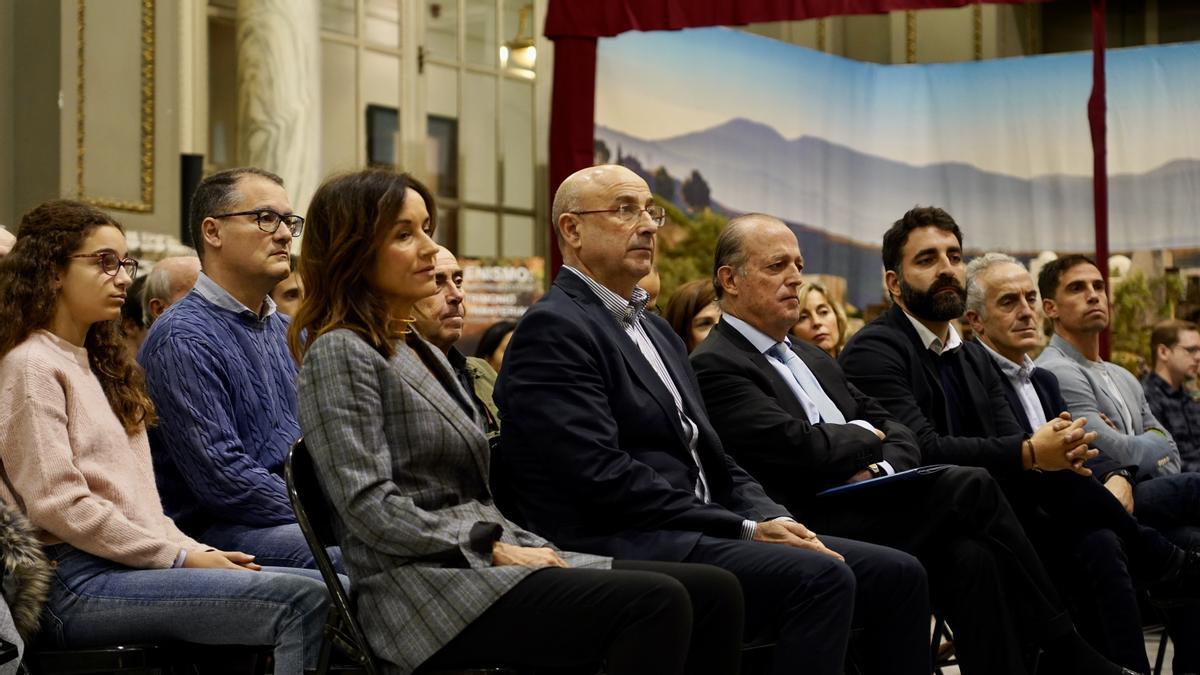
point(73, 416)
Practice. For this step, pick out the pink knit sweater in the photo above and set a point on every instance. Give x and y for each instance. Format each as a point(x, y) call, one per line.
point(75, 472)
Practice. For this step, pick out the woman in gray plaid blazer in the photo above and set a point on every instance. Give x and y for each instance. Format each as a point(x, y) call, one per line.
point(441, 578)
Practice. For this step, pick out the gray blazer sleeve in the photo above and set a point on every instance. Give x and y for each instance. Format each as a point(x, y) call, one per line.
point(1166, 451)
point(341, 412)
point(1145, 449)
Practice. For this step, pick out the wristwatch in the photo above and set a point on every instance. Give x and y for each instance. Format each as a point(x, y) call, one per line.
point(876, 470)
point(1124, 473)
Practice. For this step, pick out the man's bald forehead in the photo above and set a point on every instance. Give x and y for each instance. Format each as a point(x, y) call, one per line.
point(593, 178)
point(748, 222)
point(587, 181)
point(179, 262)
point(603, 174)
point(181, 270)
point(445, 258)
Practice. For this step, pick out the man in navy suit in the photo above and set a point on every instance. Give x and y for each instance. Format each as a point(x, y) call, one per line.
point(790, 417)
point(1001, 308)
point(606, 447)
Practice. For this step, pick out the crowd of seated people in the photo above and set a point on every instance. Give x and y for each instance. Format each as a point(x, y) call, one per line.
point(738, 471)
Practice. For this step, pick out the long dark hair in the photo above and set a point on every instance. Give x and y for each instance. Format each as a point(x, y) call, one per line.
point(45, 237)
point(348, 220)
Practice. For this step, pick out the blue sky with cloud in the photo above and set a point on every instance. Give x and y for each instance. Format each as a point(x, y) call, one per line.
point(1022, 117)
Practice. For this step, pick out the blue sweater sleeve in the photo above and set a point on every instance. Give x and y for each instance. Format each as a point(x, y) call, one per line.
point(188, 383)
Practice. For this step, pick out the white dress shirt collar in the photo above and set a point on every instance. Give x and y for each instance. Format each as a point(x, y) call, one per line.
point(932, 342)
point(761, 341)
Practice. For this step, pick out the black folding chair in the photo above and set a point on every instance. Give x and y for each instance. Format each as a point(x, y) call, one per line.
point(308, 501)
point(312, 513)
point(941, 660)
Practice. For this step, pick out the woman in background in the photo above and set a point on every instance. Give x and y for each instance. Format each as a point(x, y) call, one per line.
point(692, 312)
point(442, 578)
point(494, 341)
point(73, 415)
point(822, 319)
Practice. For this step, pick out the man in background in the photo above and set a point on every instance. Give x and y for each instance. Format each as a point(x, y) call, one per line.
point(289, 293)
point(439, 319)
point(167, 283)
point(1175, 355)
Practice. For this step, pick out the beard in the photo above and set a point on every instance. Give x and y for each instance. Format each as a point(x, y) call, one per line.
point(933, 305)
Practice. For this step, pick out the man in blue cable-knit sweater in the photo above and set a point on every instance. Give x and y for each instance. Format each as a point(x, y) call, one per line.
point(222, 379)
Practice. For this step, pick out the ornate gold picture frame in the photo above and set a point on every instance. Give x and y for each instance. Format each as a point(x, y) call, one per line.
point(146, 203)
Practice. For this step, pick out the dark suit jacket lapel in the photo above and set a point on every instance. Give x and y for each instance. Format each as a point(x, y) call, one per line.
point(1045, 397)
point(970, 356)
point(598, 314)
point(784, 395)
point(1014, 400)
point(899, 320)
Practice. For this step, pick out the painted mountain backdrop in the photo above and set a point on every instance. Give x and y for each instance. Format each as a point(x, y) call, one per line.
point(854, 196)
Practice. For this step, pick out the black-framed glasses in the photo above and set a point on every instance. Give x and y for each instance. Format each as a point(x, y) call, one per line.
point(269, 220)
point(111, 262)
point(629, 213)
point(1192, 350)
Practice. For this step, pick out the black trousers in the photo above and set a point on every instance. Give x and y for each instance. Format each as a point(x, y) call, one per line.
point(1100, 589)
point(643, 618)
point(1107, 596)
point(1098, 553)
point(984, 573)
point(808, 602)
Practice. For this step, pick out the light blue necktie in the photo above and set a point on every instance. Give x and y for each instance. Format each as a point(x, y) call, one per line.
point(808, 382)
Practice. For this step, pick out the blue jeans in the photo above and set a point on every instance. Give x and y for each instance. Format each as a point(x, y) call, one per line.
point(96, 602)
point(278, 546)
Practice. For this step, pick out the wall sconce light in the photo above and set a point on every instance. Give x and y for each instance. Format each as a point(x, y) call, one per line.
point(518, 55)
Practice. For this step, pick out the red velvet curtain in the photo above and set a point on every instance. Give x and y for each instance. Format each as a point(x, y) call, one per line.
point(1097, 109)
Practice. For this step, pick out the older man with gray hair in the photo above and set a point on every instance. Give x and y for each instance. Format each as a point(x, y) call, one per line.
point(166, 284)
point(1002, 309)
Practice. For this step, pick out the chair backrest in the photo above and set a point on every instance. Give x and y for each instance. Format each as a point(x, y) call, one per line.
point(312, 513)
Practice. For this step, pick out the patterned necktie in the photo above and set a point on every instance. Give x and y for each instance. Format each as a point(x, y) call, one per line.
point(826, 409)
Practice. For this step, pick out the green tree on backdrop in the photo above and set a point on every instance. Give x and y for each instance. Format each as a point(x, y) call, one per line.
point(696, 192)
point(664, 185)
point(1137, 304)
point(691, 255)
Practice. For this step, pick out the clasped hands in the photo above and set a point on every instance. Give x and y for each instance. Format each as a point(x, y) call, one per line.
point(1061, 444)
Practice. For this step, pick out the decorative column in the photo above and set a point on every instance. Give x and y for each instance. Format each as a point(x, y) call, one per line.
point(279, 92)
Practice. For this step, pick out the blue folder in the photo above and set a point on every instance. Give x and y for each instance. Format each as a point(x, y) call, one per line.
point(899, 476)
